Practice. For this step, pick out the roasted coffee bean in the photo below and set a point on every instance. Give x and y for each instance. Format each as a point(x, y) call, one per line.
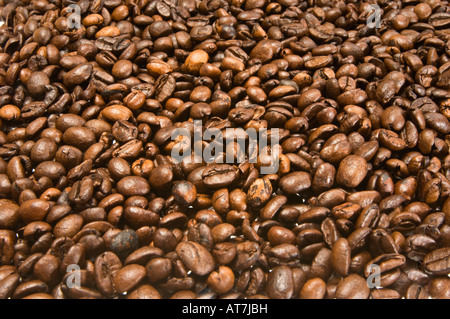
point(295, 182)
point(133, 186)
point(106, 266)
point(314, 288)
point(341, 257)
point(128, 277)
point(158, 268)
point(184, 192)
point(222, 280)
point(352, 171)
point(280, 284)
point(195, 257)
point(438, 288)
point(124, 243)
point(352, 287)
point(218, 175)
point(247, 253)
point(436, 262)
point(259, 192)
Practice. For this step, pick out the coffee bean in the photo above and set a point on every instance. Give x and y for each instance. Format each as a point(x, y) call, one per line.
point(106, 267)
point(33, 209)
point(247, 253)
point(144, 291)
point(36, 84)
point(138, 217)
point(224, 252)
point(78, 75)
point(128, 277)
point(280, 284)
point(7, 249)
point(79, 137)
point(218, 175)
point(313, 289)
point(8, 285)
point(195, 257)
point(295, 182)
point(124, 243)
point(9, 214)
point(340, 257)
point(196, 60)
point(352, 287)
point(222, 280)
point(437, 262)
point(133, 186)
point(259, 192)
point(68, 226)
point(184, 193)
point(352, 171)
point(438, 288)
point(46, 269)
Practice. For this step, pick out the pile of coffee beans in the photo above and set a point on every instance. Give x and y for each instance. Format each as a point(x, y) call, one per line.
point(93, 204)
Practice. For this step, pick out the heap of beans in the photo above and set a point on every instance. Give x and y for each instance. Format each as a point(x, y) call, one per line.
point(94, 206)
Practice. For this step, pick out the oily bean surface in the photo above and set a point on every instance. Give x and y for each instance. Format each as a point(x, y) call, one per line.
point(176, 149)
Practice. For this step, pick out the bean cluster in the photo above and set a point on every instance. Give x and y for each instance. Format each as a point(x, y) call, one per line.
point(94, 205)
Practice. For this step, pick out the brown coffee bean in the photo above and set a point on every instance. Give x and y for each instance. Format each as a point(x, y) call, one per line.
point(33, 210)
point(30, 288)
point(438, 288)
point(280, 283)
point(8, 285)
point(9, 214)
point(295, 182)
point(144, 291)
point(36, 84)
point(128, 277)
point(133, 186)
point(106, 267)
point(222, 232)
point(436, 262)
point(352, 287)
point(224, 252)
point(341, 257)
point(314, 288)
point(79, 137)
point(219, 175)
point(9, 112)
point(124, 243)
point(78, 75)
point(259, 192)
point(184, 192)
point(138, 217)
point(7, 248)
point(116, 112)
point(46, 269)
point(122, 69)
point(68, 226)
point(278, 235)
point(195, 257)
point(352, 171)
point(195, 60)
point(222, 280)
